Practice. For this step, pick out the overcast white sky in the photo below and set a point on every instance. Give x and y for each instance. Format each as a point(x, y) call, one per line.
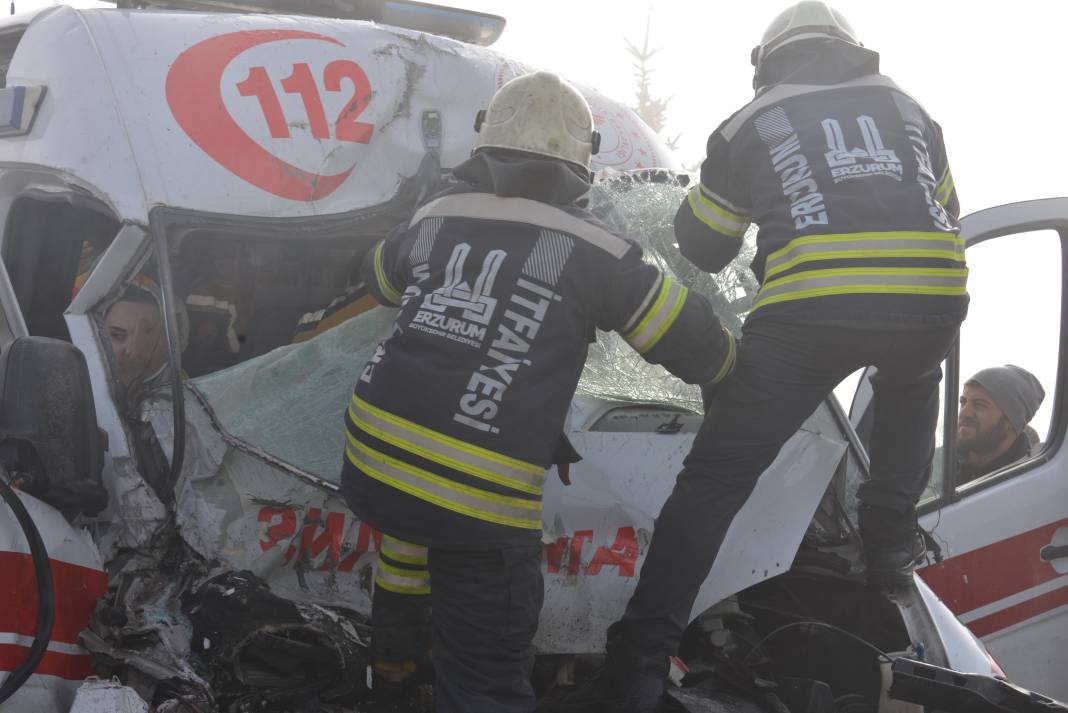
point(992, 74)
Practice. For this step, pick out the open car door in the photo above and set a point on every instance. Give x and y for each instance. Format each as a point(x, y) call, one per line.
point(1004, 534)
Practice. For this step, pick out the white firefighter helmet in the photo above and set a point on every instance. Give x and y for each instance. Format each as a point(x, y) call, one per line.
point(539, 114)
point(803, 21)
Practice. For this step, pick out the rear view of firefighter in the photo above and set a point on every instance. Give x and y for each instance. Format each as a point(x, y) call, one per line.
point(860, 263)
point(501, 283)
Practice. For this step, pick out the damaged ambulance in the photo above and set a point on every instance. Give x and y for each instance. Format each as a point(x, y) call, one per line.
point(184, 199)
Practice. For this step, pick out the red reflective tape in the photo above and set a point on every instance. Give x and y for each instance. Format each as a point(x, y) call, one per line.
point(1019, 612)
point(73, 667)
point(988, 574)
point(77, 589)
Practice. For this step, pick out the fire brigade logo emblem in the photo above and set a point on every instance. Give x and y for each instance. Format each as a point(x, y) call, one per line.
point(475, 302)
point(460, 310)
point(874, 159)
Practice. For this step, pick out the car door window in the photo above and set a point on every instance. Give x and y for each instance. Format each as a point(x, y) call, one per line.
point(50, 245)
point(999, 394)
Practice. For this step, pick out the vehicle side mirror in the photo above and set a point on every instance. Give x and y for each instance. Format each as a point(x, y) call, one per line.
point(49, 440)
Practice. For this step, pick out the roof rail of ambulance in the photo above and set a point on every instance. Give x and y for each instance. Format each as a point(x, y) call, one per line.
point(470, 26)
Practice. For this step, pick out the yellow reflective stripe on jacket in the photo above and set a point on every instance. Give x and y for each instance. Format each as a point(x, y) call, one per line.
point(945, 188)
point(659, 318)
point(445, 493)
point(864, 280)
point(446, 450)
point(401, 551)
point(402, 581)
point(850, 246)
point(387, 290)
point(708, 208)
point(728, 361)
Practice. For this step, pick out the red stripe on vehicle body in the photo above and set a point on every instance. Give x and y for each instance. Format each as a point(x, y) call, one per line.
point(991, 573)
point(1017, 613)
point(73, 667)
point(77, 589)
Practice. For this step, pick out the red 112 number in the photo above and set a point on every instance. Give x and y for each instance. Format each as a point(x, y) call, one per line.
point(301, 82)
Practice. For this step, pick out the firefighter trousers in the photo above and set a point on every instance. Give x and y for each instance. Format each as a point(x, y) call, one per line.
point(783, 373)
point(485, 613)
point(484, 608)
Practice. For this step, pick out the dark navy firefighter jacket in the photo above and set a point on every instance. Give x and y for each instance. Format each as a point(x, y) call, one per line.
point(846, 176)
point(455, 419)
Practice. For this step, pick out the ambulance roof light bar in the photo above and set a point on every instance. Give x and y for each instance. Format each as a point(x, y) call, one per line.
point(470, 26)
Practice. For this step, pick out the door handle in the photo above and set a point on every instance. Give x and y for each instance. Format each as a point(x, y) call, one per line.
point(1052, 552)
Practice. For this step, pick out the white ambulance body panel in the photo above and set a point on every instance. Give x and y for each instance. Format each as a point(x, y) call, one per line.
point(273, 116)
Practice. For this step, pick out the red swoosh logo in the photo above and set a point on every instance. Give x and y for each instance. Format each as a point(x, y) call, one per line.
point(194, 94)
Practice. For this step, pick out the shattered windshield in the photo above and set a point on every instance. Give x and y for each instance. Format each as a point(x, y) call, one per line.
point(642, 206)
point(289, 402)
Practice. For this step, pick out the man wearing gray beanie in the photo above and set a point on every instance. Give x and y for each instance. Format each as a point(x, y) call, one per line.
point(995, 408)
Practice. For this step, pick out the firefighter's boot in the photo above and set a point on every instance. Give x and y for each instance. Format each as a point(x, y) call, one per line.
point(398, 687)
point(893, 547)
point(621, 685)
point(612, 691)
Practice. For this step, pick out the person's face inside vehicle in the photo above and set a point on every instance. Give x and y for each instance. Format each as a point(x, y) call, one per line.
point(136, 333)
point(981, 426)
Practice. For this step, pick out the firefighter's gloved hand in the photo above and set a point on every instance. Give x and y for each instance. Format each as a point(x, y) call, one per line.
point(564, 471)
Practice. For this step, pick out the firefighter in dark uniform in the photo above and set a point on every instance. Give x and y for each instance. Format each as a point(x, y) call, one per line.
point(501, 284)
point(860, 263)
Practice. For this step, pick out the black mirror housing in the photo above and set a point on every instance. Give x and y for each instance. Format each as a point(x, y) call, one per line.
point(49, 438)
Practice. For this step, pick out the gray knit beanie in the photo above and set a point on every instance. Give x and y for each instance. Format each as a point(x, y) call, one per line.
point(1016, 392)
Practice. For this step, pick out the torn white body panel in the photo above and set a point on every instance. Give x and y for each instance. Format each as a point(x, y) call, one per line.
point(304, 541)
point(597, 531)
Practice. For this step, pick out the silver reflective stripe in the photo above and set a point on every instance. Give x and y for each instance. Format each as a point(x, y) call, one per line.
point(522, 210)
point(401, 580)
point(443, 492)
point(717, 198)
point(858, 280)
point(784, 91)
point(831, 247)
point(714, 216)
point(649, 297)
point(660, 318)
point(403, 551)
point(448, 451)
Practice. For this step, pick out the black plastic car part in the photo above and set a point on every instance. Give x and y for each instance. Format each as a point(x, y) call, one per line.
point(49, 440)
point(947, 690)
